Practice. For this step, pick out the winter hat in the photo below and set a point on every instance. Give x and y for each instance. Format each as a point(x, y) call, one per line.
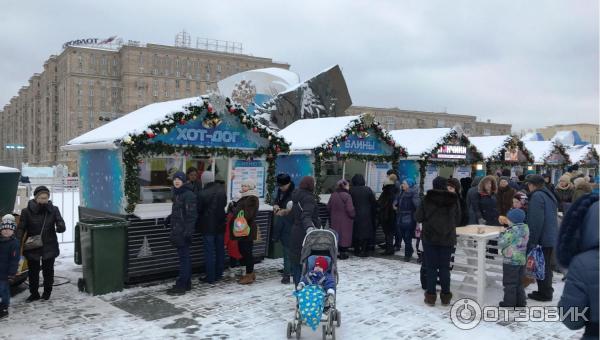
point(283, 179)
point(40, 190)
point(207, 177)
point(307, 183)
point(179, 175)
point(249, 183)
point(516, 216)
point(321, 262)
point(341, 183)
point(392, 177)
point(453, 182)
point(521, 196)
point(535, 180)
point(411, 182)
point(440, 183)
point(8, 222)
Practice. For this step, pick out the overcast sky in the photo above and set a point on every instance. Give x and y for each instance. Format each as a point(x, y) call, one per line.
point(528, 63)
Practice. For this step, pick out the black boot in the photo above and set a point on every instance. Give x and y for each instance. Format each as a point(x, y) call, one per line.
point(46, 294)
point(285, 280)
point(176, 291)
point(3, 311)
point(33, 297)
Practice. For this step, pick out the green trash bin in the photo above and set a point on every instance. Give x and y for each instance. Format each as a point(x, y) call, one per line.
point(77, 251)
point(103, 243)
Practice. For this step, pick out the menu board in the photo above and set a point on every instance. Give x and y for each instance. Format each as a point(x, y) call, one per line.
point(248, 170)
point(461, 172)
point(377, 175)
point(431, 172)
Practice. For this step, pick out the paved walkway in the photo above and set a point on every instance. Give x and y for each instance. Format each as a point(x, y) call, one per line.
point(380, 298)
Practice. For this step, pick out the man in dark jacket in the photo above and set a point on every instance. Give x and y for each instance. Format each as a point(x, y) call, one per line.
point(192, 180)
point(282, 220)
point(543, 228)
point(306, 216)
point(41, 217)
point(440, 215)
point(212, 200)
point(473, 201)
point(577, 250)
point(182, 221)
point(365, 206)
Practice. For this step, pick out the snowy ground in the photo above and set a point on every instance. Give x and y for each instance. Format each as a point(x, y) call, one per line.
point(380, 298)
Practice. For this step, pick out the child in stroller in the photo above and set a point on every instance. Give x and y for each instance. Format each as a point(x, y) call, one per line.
point(321, 277)
point(315, 294)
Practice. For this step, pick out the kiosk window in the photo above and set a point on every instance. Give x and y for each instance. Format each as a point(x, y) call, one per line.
point(354, 167)
point(155, 179)
point(331, 173)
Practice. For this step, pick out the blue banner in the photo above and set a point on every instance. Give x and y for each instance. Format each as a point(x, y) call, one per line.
point(230, 133)
point(408, 170)
point(101, 180)
point(297, 166)
point(370, 145)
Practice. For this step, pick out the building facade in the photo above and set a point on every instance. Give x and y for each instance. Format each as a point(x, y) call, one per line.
point(587, 132)
point(84, 87)
point(395, 119)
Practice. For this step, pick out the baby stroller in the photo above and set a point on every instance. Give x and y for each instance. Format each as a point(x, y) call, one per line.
point(319, 242)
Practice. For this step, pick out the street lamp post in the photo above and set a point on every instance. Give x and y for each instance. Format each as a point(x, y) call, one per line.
point(14, 147)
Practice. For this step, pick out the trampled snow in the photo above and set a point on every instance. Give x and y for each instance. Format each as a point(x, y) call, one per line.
point(419, 141)
point(380, 298)
point(307, 134)
point(489, 145)
point(539, 149)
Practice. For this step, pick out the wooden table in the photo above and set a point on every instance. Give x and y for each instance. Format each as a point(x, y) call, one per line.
point(472, 247)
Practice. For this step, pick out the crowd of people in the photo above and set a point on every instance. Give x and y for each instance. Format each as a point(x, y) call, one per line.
point(527, 207)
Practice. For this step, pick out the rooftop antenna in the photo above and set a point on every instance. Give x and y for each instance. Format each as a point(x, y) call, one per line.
point(183, 39)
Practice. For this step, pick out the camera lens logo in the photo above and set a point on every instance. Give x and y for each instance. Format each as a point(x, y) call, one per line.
point(465, 314)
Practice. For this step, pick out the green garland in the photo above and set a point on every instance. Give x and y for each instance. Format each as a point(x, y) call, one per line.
point(135, 147)
point(429, 157)
point(361, 127)
point(499, 158)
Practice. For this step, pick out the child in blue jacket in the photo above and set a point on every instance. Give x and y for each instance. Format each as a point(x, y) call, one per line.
point(9, 260)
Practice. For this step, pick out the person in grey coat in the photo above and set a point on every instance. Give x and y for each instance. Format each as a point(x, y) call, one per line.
point(473, 201)
point(577, 250)
point(542, 219)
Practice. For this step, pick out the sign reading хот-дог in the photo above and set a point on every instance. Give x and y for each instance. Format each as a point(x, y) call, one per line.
point(229, 134)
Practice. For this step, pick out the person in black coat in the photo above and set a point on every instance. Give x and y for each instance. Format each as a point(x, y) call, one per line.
point(387, 214)
point(440, 215)
point(41, 217)
point(365, 206)
point(248, 206)
point(282, 220)
point(9, 260)
point(472, 201)
point(182, 222)
point(488, 207)
point(212, 201)
point(306, 216)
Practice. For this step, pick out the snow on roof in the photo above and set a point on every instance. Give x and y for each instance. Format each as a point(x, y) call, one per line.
point(307, 134)
point(265, 80)
point(569, 137)
point(539, 149)
point(5, 169)
point(489, 145)
point(597, 147)
point(132, 123)
point(578, 153)
point(532, 136)
point(418, 141)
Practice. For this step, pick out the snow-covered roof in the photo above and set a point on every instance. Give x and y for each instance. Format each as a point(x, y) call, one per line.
point(539, 149)
point(578, 153)
point(489, 145)
point(569, 137)
point(597, 147)
point(419, 141)
point(270, 80)
point(532, 136)
point(5, 169)
point(307, 134)
point(132, 123)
